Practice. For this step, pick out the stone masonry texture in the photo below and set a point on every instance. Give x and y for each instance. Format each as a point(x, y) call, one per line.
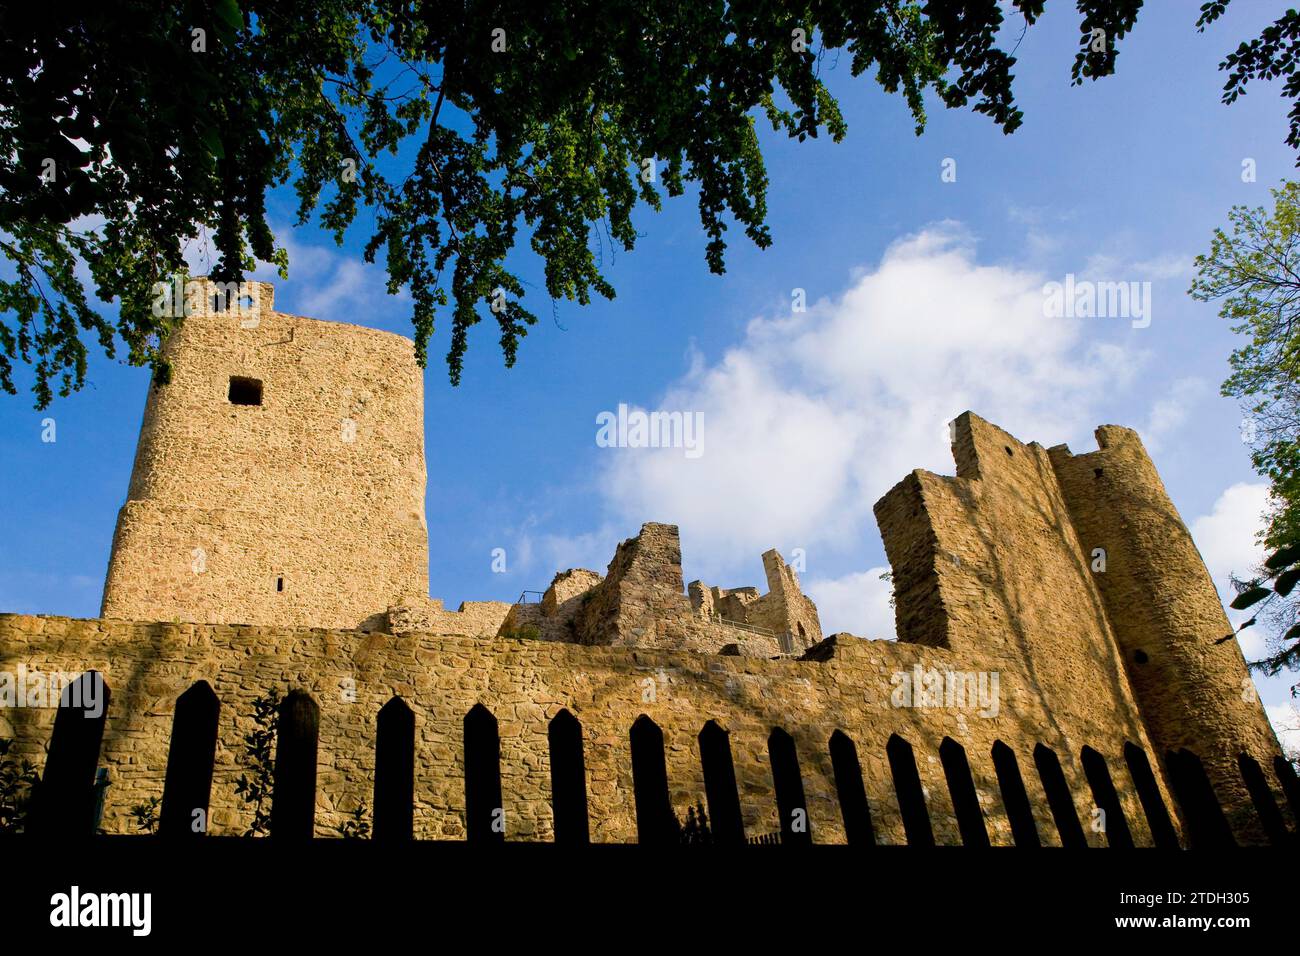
point(307, 513)
point(305, 509)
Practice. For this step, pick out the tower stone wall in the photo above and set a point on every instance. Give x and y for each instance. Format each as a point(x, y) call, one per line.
point(279, 478)
point(989, 562)
point(1186, 669)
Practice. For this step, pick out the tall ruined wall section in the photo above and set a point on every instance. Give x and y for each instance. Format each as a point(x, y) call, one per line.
point(642, 603)
point(306, 509)
point(784, 611)
point(988, 564)
point(642, 595)
point(785, 608)
point(1192, 686)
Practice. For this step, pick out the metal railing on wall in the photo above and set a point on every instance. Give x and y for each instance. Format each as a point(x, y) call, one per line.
point(742, 625)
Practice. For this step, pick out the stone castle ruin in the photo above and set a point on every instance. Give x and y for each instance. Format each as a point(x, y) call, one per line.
point(1059, 677)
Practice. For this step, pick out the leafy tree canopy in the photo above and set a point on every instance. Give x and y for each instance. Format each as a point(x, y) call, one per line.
point(129, 128)
point(1254, 272)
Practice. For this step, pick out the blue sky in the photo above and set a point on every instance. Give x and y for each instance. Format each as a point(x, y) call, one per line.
point(924, 299)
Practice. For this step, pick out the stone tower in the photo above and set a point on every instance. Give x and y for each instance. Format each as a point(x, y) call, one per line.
point(1188, 675)
point(279, 477)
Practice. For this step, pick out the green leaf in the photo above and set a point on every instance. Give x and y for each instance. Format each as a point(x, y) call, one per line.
point(228, 10)
point(1283, 557)
point(212, 140)
point(1248, 597)
point(1286, 581)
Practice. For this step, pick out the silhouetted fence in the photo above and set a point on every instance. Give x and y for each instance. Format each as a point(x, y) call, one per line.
point(63, 802)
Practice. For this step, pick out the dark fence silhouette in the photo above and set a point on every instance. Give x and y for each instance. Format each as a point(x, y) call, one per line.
point(911, 795)
point(63, 802)
point(1059, 800)
point(791, 805)
point(1163, 833)
point(191, 752)
point(394, 771)
point(655, 821)
point(1286, 775)
point(1106, 799)
point(851, 790)
point(1202, 815)
point(568, 779)
point(484, 813)
point(728, 824)
point(293, 801)
point(1270, 817)
point(1020, 812)
point(961, 787)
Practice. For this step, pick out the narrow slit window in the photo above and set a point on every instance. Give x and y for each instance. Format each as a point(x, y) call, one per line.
point(279, 584)
point(245, 391)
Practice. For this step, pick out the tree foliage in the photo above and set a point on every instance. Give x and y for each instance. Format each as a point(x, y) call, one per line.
point(18, 781)
point(1274, 53)
point(130, 129)
point(1254, 273)
point(1272, 591)
point(257, 787)
point(356, 825)
point(146, 815)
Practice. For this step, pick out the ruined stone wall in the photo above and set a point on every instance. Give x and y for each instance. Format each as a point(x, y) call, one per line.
point(471, 619)
point(851, 687)
point(306, 509)
point(555, 617)
point(1191, 684)
point(783, 610)
point(989, 562)
point(642, 603)
point(701, 596)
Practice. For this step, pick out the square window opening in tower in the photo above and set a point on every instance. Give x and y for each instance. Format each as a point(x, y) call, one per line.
point(245, 391)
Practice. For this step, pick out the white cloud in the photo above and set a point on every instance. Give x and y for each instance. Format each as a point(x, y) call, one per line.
point(1226, 536)
point(1109, 267)
point(1171, 412)
point(1285, 718)
point(545, 554)
point(1046, 228)
point(813, 416)
point(1226, 539)
point(857, 603)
